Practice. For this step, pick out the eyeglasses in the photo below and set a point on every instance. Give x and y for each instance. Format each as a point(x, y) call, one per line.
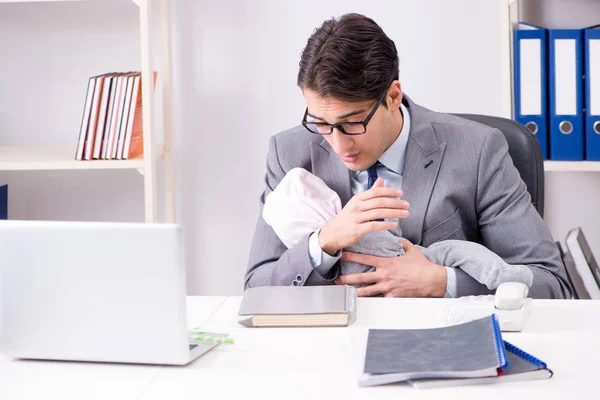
point(347, 128)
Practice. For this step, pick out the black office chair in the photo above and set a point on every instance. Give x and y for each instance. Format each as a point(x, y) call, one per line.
point(525, 152)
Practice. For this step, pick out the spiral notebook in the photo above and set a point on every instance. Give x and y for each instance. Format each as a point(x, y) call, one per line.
point(470, 350)
point(522, 366)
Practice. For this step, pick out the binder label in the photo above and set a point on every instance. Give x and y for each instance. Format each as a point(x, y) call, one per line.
point(594, 79)
point(531, 76)
point(565, 77)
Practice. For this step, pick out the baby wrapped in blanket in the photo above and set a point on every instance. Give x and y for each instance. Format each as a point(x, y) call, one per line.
point(302, 203)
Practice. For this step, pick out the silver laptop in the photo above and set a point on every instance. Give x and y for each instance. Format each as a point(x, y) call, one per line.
point(88, 291)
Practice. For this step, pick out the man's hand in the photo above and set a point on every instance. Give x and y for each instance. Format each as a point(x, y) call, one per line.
point(358, 217)
point(410, 275)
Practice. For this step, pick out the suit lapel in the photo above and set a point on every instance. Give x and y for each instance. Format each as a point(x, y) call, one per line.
point(328, 166)
point(423, 160)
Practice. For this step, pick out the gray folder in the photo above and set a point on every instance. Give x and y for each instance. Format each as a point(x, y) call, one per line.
point(473, 349)
point(521, 367)
point(299, 305)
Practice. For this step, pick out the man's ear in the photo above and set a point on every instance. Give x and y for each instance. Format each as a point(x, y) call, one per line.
point(394, 95)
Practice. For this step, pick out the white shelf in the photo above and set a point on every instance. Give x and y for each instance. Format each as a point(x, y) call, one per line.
point(57, 158)
point(571, 166)
point(63, 158)
point(36, 1)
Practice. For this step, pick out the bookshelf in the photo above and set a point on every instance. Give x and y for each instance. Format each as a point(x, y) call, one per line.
point(37, 1)
point(549, 165)
point(571, 166)
point(23, 158)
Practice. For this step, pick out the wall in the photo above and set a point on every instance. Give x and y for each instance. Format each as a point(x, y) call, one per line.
point(235, 66)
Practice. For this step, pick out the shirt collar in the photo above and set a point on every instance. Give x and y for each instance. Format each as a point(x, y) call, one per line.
point(393, 157)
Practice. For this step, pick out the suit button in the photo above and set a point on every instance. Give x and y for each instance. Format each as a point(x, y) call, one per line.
point(299, 278)
point(295, 283)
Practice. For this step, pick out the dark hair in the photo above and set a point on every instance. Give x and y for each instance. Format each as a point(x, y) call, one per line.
point(349, 58)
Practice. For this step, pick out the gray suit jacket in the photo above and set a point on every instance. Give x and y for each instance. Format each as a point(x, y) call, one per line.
point(471, 191)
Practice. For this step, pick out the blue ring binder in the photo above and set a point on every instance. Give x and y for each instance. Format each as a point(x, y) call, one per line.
point(500, 349)
point(521, 353)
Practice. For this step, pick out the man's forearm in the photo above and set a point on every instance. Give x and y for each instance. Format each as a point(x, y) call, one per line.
point(439, 281)
point(293, 267)
point(326, 243)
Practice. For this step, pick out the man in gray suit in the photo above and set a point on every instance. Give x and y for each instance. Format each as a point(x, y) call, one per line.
point(445, 178)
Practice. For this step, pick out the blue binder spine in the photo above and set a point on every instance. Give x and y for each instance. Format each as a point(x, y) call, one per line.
point(500, 349)
point(4, 202)
point(565, 65)
point(530, 81)
point(523, 354)
point(591, 55)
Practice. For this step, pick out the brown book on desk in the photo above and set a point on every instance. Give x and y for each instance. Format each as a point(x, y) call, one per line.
point(281, 306)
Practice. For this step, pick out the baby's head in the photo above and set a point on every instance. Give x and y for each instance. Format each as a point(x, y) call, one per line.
point(300, 204)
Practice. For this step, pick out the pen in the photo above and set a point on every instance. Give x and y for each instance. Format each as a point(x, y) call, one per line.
point(210, 337)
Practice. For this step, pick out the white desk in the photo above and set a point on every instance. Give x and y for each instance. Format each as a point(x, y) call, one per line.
point(317, 362)
point(24, 379)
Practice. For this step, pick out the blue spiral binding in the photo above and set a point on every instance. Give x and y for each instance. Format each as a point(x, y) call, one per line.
point(500, 349)
point(523, 354)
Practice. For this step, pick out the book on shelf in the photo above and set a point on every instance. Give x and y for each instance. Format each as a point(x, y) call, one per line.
point(581, 265)
point(4, 202)
point(112, 122)
point(579, 291)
